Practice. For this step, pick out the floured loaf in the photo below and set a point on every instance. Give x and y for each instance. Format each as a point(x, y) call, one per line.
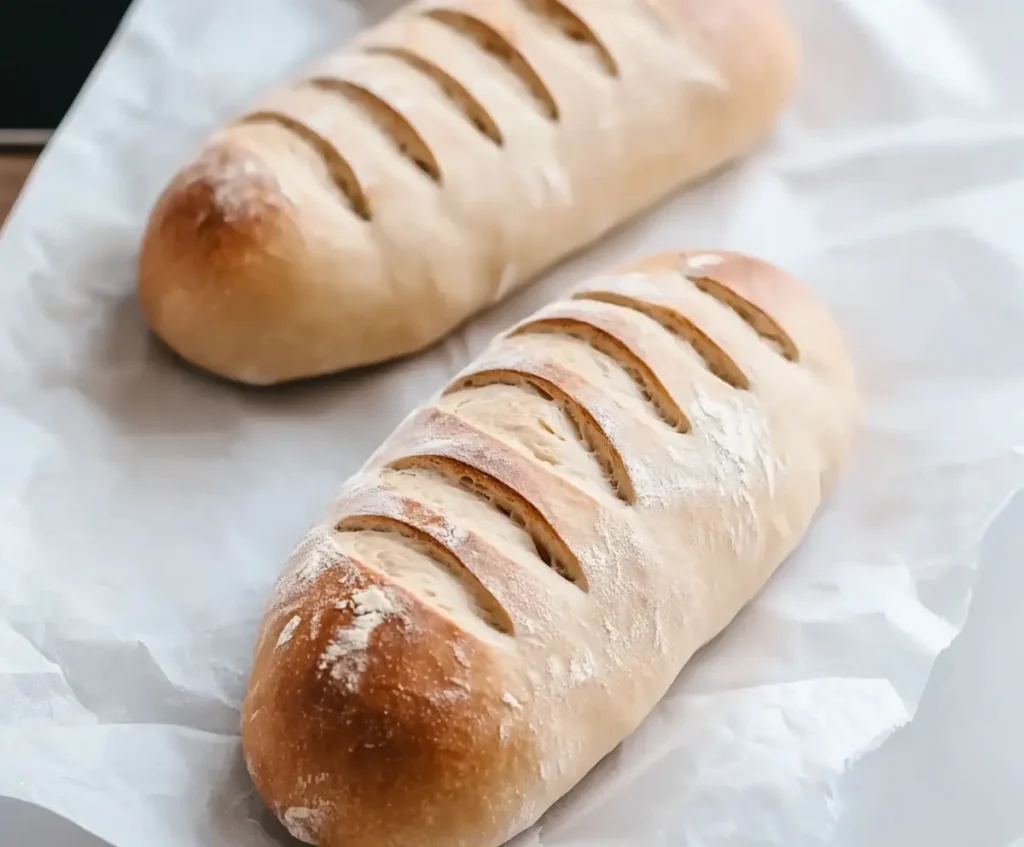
point(438, 162)
point(513, 580)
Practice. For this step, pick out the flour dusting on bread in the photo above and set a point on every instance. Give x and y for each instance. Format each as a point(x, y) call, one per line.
point(510, 700)
point(289, 630)
point(345, 657)
point(302, 823)
point(240, 184)
point(581, 668)
point(739, 432)
point(310, 559)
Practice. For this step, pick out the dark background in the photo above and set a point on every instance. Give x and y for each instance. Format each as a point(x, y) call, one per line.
point(47, 51)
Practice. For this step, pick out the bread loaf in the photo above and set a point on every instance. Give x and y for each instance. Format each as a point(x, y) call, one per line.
point(438, 162)
point(513, 580)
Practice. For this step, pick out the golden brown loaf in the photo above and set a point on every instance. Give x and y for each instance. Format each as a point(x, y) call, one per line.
point(510, 584)
point(438, 162)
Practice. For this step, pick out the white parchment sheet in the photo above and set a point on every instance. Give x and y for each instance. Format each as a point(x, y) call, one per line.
point(145, 510)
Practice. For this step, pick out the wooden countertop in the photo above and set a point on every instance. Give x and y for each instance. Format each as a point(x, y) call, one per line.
point(14, 168)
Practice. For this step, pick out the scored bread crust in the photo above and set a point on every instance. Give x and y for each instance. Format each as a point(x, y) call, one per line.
point(414, 177)
point(512, 581)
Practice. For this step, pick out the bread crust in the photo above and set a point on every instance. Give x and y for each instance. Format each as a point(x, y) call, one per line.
point(512, 581)
point(414, 177)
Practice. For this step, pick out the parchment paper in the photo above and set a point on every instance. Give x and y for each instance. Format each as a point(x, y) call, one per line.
point(145, 510)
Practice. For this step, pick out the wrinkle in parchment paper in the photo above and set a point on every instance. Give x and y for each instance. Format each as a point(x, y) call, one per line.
point(145, 510)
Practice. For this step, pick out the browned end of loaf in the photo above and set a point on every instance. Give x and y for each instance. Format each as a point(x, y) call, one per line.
point(420, 747)
point(209, 254)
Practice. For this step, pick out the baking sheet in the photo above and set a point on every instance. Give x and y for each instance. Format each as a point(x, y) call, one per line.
point(145, 510)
